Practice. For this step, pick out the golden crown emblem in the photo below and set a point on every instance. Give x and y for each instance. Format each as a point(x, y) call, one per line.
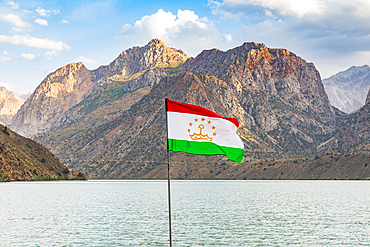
point(201, 127)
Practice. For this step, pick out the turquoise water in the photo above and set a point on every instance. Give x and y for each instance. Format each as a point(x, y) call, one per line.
point(204, 213)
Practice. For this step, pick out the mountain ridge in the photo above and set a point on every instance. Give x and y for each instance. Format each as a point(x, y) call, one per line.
point(347, 89)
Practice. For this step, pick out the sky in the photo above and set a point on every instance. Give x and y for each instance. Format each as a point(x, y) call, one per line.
point(37, 36)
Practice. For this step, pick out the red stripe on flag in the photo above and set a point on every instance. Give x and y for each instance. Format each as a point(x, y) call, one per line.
point(175, 106)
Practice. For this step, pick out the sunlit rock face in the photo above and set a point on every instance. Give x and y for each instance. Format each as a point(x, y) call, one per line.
point(58, 92)
point(9, 105)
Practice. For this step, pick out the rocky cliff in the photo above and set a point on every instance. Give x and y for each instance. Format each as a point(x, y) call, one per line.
point(347, 90)
point(22, 159)
point(9, 105)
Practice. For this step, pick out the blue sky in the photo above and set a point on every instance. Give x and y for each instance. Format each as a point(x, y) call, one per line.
point(38, 37)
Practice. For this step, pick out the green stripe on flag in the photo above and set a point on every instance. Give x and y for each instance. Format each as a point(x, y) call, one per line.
point(205, 148)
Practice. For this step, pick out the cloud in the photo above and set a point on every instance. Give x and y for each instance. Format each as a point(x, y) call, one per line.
point(237, 8)
point(63, 21)
point(50, 54)
point(42, 12)
point(28, 56)
point(16, 21)
point(15, 89)
point(29, 41)
point(317, 30)
point(4, 59)
point(186, 30)
point(41, 22)
point(13, 4)
point(86, 60)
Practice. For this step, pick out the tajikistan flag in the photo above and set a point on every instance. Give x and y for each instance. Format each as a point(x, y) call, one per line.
point(197, 130)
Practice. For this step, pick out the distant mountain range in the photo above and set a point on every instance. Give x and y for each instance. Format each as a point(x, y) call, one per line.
point(347, 90)
point(110, 122)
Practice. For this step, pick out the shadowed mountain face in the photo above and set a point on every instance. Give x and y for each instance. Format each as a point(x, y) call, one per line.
point(353, 136)
point(347, 90)
point(22, 159)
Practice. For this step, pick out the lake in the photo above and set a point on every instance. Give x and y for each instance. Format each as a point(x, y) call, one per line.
point(204, 213)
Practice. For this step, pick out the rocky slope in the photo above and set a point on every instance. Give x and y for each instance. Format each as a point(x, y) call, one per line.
point(49, 107)
point(22, 159)
point(347, 89)
point(282, 92)
point(9, 105)
point(56, 94)
point(354, 136)
point(133, 144)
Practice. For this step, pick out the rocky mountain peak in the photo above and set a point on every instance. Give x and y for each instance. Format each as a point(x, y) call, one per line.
point(57, 93)
point(137, 59)
point(277, 71)
point(63, 80)
point(368, 98)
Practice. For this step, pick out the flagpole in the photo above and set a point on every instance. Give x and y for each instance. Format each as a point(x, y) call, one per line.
point(169, 196)
point(169, 179)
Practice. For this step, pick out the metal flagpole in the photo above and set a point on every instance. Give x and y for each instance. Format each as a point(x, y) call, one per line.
point(169, 196)
point(169, 181)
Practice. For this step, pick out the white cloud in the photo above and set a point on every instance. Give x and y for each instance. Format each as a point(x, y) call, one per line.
point(18, 90)
point(42, 12)
point(16, 21)
point(86, 60)
point(42, 22)
point(186, 30)
point(4, 59)
point(13, 4)
point(29, 56)
point(50, 54)
point(56, 11)
point(321, 31)
point(29, 41)
point(63, 21)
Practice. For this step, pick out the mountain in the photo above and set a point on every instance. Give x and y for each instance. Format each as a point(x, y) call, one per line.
point(281, 92)
point(25, 96)
point(56, 94)
point(49, 105)
point(22, 159)
point(118, 129)
point(9, 105)
point(347, 89)
point(353, 136)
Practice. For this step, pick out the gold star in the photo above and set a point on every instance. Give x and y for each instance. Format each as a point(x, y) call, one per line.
point(190, 124)
point(209, 122)
point(203, 119)
point(214, 133)
point(213, 127)
point(196, 120)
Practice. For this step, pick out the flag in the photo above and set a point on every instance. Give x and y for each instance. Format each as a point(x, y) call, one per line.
point(197, 130)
